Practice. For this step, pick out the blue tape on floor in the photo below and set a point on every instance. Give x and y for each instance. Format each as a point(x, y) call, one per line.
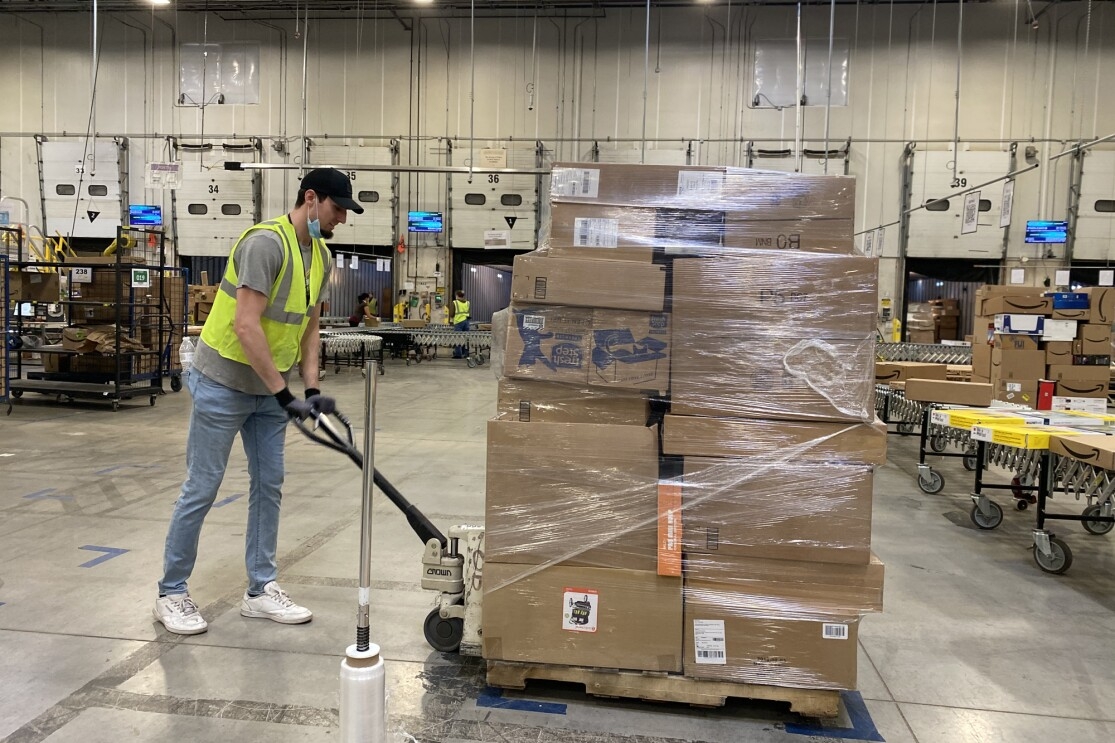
point(493, 698)
point(863, 727)
point(228, 500)
point(48, 493)
point(110, 552)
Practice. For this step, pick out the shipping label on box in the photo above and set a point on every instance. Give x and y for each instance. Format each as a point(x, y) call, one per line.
point(1081, 404)
point(1018, 392)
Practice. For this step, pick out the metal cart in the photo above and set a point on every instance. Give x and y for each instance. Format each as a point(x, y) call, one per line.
point(351, 347)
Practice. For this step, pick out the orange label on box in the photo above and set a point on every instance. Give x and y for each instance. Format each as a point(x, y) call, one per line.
point(669, 529)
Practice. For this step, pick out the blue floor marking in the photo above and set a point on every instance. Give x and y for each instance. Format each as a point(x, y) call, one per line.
point(863, 727)
point(228, 500)
point(42, 494)
point(110, 552)
point(493, 697)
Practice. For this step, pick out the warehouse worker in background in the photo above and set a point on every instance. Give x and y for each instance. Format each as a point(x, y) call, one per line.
point(366, 307)
point(460, 315)
point(399, 311)
point(265, 320)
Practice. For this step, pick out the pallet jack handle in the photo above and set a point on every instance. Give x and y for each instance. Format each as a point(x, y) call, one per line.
point(334, 439)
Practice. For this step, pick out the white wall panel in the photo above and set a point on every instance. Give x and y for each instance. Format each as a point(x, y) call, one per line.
point(213, 206)
point(373, 189)
point(79, 178)
point(1095, 230)
point(510, 203)
point(936, 234)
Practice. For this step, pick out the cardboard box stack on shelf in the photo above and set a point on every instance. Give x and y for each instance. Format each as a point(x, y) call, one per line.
point(1046, 350)
point(729, 539)
point(920, 323)
point(946, 319)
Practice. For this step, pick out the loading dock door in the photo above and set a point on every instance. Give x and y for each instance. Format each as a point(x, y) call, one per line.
point(374, 190)
point(83, 187)
point(935, 230)
point(1095, 225)
point(495, 210)
point(213, 206)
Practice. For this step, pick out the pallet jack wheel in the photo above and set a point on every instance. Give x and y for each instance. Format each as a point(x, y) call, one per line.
point(444, 635)
point(175, 383)
point(1021, 505)
point(906, 429)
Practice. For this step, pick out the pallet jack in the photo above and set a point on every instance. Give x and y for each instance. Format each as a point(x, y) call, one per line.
point(451, 565)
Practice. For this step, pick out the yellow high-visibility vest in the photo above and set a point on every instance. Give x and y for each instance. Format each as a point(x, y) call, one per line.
point(460, 311)
point(285, 319)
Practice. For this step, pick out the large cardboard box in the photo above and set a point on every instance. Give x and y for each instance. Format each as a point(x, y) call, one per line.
point(750, 193)
point(1024, 392)
point(1101, 304)
point(587, 283)
point(1057, 352)
point(1095, 449)
point(574, 493)
point(790, 511)
point(758, 294)
point(528, 401)
point(767, 638)
point(1082, 388)
point(981, 359)
point(1020, 304)
point(990, 292)
point(610, 348)
point(689, 435)
point(1061, 372)
point(858, 587)
point(31, 286)
point(902, 371)
point(1017, 365)
point(627, 619)
point(781, 379)
point(1014, 342)
point(954, 393)
point(1093, 339)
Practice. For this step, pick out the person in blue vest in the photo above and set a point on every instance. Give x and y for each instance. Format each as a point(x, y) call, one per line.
point(459, 317)
point(264, 324)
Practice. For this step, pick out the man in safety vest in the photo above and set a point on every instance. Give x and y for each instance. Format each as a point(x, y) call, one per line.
point(264, 322)
point(459, 316)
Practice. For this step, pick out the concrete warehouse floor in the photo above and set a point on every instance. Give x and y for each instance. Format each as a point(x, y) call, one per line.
point(976, 644)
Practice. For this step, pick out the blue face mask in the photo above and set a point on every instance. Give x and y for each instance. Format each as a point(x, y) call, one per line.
point(314, 225)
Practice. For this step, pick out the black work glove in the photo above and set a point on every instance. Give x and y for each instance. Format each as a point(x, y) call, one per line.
point(303, 409)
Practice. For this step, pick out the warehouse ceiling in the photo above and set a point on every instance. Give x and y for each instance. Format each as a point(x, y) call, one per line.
point(273, 9)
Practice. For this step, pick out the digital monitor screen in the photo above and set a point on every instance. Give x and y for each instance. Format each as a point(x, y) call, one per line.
point(424, 222)
point(1046, 232)
point(145, 215)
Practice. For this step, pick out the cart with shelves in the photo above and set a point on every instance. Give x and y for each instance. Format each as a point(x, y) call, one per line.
point(124, 310)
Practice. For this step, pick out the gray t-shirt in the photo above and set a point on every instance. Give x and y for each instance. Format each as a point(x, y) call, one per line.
point(258, 261)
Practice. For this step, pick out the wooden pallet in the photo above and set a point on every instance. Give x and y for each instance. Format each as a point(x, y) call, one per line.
point(663, 687)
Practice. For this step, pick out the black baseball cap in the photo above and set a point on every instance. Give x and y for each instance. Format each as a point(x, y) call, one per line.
point(334, 184)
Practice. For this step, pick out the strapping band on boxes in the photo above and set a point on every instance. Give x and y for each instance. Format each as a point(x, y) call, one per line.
point(680, 469)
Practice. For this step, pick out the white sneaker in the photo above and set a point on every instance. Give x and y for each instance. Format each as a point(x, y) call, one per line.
point(179, 614)
point(275, 604)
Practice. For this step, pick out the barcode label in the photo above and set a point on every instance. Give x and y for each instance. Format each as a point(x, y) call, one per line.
point(708, 642)
point(834, 631)
point(595, 233)
point(939, 417)
point(577, 182)
point(700, 182)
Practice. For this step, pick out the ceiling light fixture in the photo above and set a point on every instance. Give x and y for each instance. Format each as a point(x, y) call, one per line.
point(160, 2)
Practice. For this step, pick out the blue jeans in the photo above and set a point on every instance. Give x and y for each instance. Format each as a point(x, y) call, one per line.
point(460, 352)
point(219, 413)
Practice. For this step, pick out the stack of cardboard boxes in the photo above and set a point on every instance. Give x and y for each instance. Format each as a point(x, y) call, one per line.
point(920, 323)
point(729, 539)
point(102, 302)
point(1047, 350)
point(946, 319)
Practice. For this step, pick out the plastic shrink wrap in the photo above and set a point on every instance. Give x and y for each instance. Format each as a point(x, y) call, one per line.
point(680, 466)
